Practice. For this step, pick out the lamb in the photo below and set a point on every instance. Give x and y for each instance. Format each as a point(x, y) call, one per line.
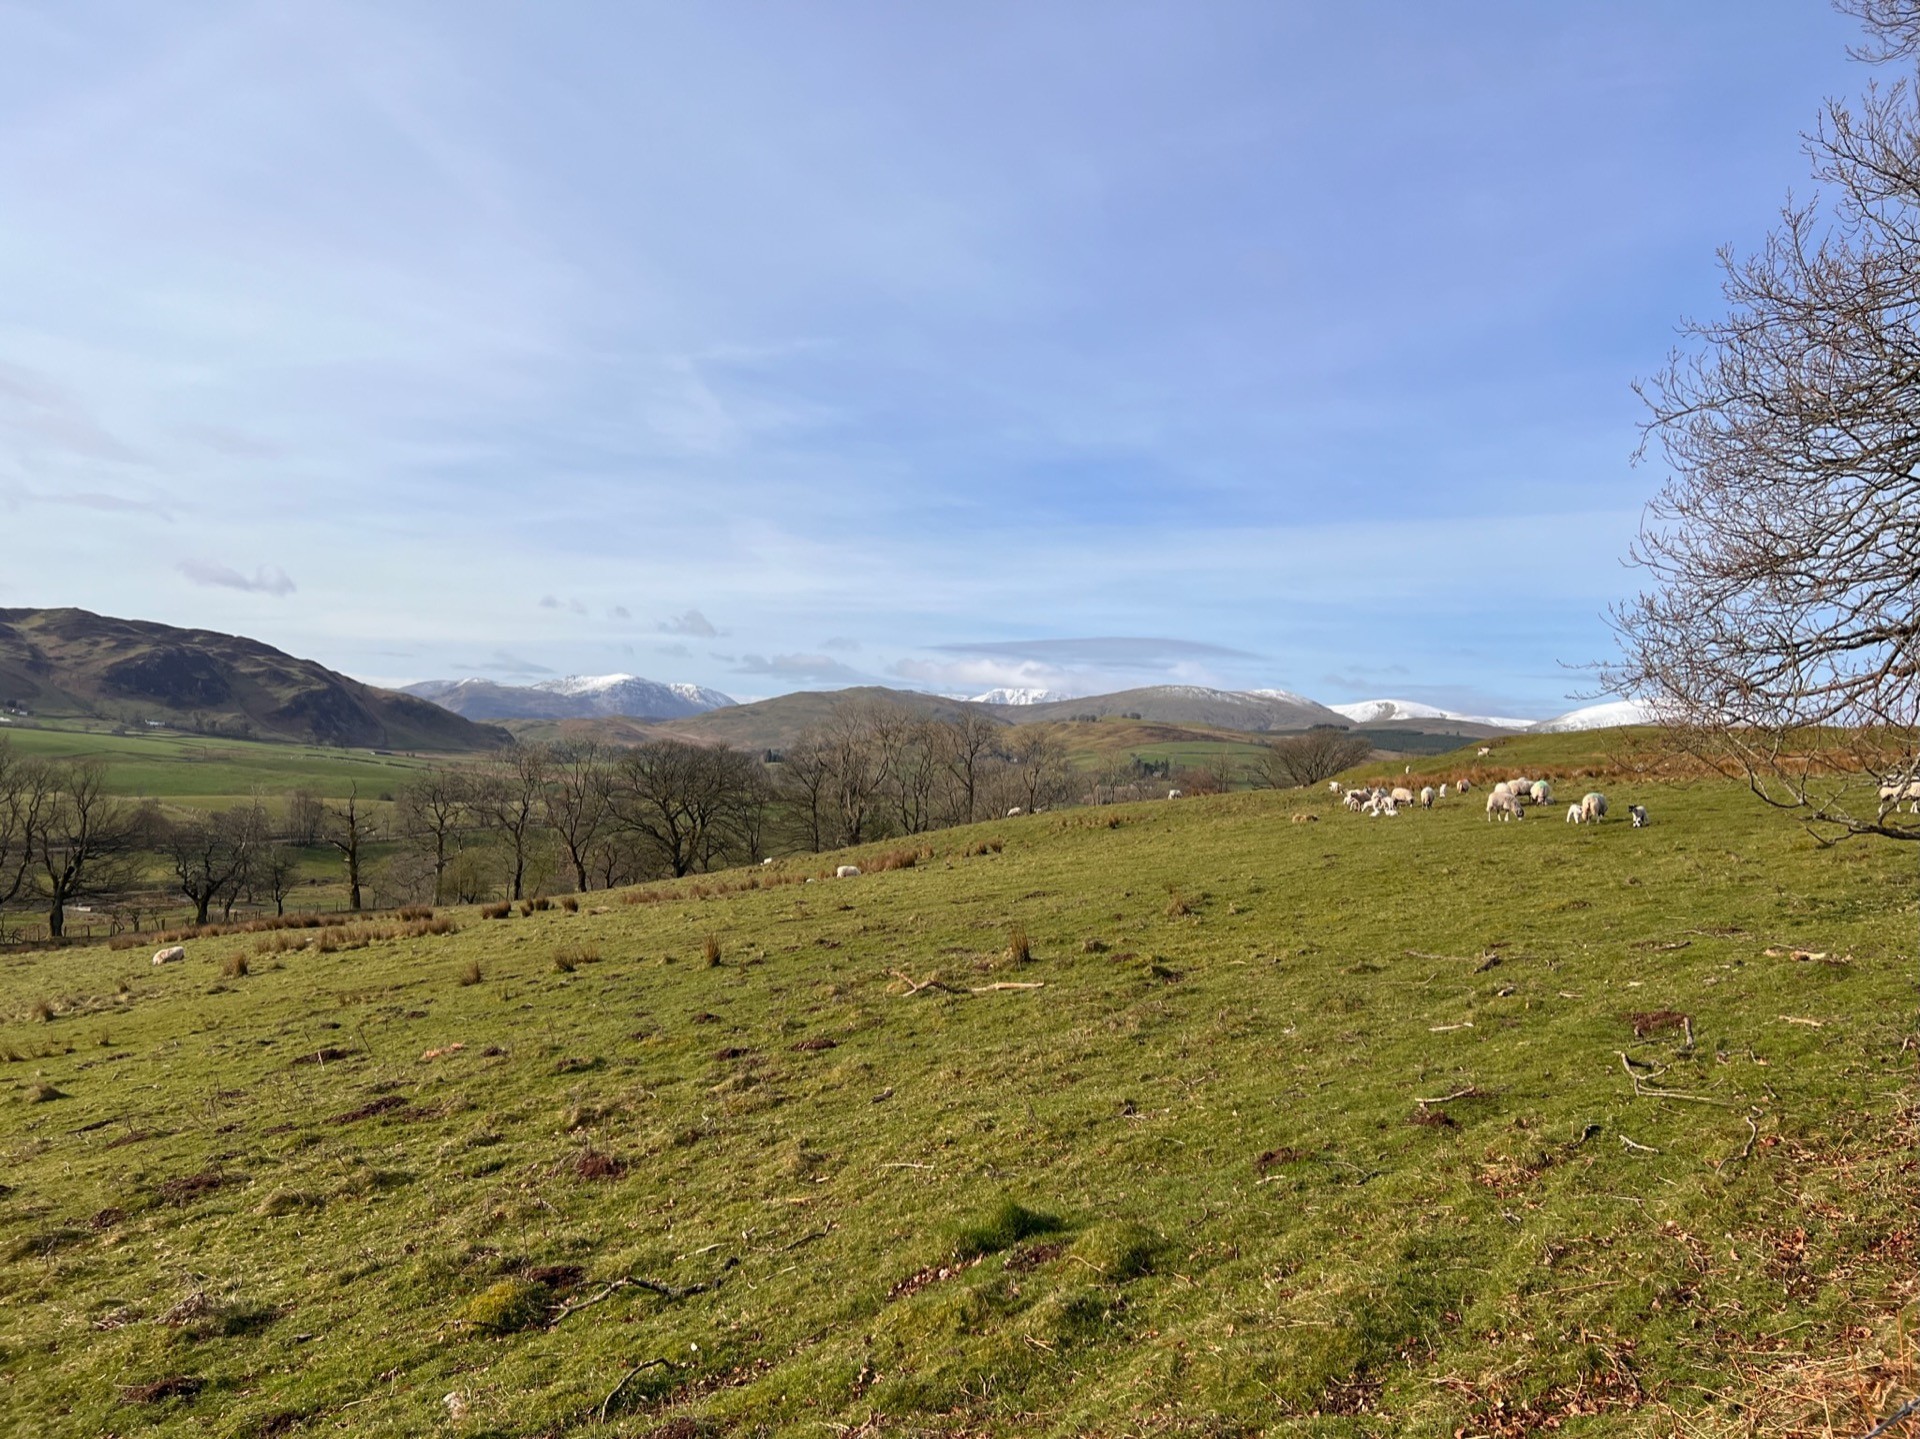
point(1333, 786)
point(1593, 806)
point(1356, 800)
point(1426, 797)
point(1014, 811)
point(767, 861)
point(847, 871)
point(172, 954)
point(1638, 812)
point(1401, 795)
point(1505, 805)
point(1176, 794)
point(1443, 791)
point(1892, 791)
point(1484, 751)
point(1542, 792)
point(1466, 786)
point(1575, 814)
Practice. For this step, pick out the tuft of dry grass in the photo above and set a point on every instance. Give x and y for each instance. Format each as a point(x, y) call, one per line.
point(496, 911)
point(1019, 950)
point(569, 904)
point(471, 974)
point(711, 950)
point(564, 962)
point(235, 965)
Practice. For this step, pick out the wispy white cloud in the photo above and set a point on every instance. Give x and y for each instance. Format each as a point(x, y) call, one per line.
point(265, 580)
point(690, 623)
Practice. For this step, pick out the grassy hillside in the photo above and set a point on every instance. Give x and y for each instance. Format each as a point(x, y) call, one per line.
point(1415, 1126)
point(191, 771)
point(777, 722)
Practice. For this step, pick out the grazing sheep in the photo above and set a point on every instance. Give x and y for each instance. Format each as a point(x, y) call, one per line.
point(1502, 787)
point(172, 954)
point(1575, 814)
point(1443, 791)
point(1401, 795)
point(1356, 800)
point(1505, 805)
point(1542, 792)
point(847, 871)
point(768, 860)
point(1484, 751)
point(1333, 786)
point(1176, 794)
point(1426, 797)
point(1593, 806)
point(1306, 819)
point(1519, 785)
point(1014, 811)
point(1466, 786)
point(1638, 812)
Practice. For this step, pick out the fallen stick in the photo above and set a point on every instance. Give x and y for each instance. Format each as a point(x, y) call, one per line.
point(1795, 1019)
point(633, 1281)
point(1634, 1144)
point(905, 1164)
point(1641, 1091)
point(933, 981)
point(606, 1404)
point(1422, 954)
point(1007, 984)
point(1468, 1092)
point(1445, 1028)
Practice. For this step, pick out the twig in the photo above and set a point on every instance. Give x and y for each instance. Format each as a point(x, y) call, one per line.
point(1746, 1150)
point(1642, 1092)
point(1469, 1092)
point(606, 1404)
point(905, 1164)
point(634, 1281)
point(1006, 984)
point(914, 986)
point(1636, 1145)
point(1422, 954)
point(1811, 1023)
point(1445, 1028)
point(1892, 1419)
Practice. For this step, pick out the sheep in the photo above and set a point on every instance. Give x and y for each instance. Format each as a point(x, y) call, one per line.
point(1443, 791)
point(1333, 786)
point(1402, 795)
point(1501, 787)
point(1014, 811)
point(1519, 785)
point(767, 861)
point(1176, 794)
point(1638, 812)
point(172, 954)
point(1306, 819)
point(847, 871)
point(1484, 751)
point(1466, 786)
point(1575, 814)
point(1504, 805)
point(1426, 797)
point(1542, 792)
point(1356, 800)
point(1593, 806)
point(1892, 791)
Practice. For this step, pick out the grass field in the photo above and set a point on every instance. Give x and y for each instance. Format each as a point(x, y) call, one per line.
point(1416, 1126)
point(194, 772)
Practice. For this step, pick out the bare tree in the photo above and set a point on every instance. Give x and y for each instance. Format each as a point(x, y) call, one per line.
point(209, 854)
point(1779, 634)
point(25, 791)
point(83, 840)
point(274, 868)
point(510, 798)
point(1040, 761)
point(306, 818)
point(348, 829)
point(671, 795)
point(436, 808)
point(972, 739)
point(1319, 754)
point(576, 802)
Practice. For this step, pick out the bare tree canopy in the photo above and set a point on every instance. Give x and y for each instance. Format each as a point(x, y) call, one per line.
point(1779, 632)
point(1308, 758)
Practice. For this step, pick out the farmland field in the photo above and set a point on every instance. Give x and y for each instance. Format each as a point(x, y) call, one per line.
point(1175, 1118)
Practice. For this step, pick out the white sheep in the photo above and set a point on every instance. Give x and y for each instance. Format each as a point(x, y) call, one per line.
point(1542, 792)
point(1426, 797)
point(1176, 794)
point(1014, 811)
point(847, 871)
point(1593, 806)
point(1333, 786)
point(1638, 812)
point(1356, 800)
point(1484, 751)
point(1401, 795)
point(1504, 805)
point(1466, 786)
point(1892, 791)
point(1443, 791)
point(172, 954)
point(767, 861)
point(1501, 787)
point(1575, 814)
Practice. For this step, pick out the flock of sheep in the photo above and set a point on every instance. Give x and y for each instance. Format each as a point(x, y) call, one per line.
point(1508, 800)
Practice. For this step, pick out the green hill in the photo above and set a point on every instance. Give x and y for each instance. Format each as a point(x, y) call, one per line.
point(71, 663)
point(1178, 1118)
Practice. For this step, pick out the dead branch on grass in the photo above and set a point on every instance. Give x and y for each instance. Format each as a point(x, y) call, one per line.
point(1641, 1091)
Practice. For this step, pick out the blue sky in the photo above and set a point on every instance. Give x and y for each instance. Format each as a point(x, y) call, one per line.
point(783, 347)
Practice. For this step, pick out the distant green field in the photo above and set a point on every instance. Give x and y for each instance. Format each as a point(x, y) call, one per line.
point(213, 773)
point(1416, 1126)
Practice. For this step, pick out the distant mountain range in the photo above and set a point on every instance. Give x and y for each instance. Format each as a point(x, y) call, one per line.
point(70, 663)
point(1401, 711)
point(575, 697)
point(1014, 697)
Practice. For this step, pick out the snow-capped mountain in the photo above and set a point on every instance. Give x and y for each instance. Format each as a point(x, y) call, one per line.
point(1601, 716)
point(575, 697)
point(1381, 711)
point(1017, 697)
